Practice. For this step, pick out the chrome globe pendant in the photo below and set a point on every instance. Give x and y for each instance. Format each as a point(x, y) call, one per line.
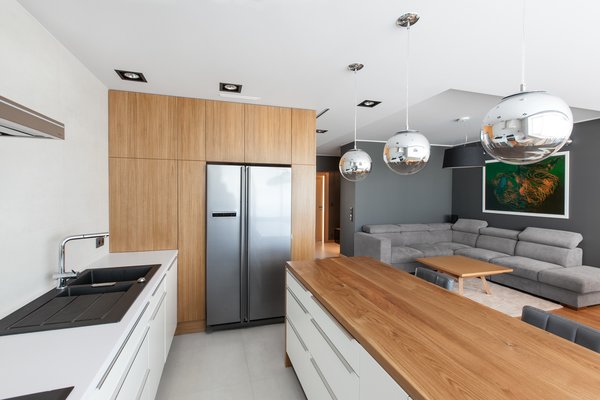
point(407, 152)
point(355, 164)
point(528, 126)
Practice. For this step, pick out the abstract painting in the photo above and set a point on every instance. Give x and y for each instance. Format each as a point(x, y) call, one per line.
point(539, 190)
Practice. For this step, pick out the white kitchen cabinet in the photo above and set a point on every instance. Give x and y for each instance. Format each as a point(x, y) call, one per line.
point(375, 383)
point(328, 361)
point(135, 371)
point(171, 306)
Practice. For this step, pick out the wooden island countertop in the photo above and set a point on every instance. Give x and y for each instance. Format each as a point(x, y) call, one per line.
point(438, 345)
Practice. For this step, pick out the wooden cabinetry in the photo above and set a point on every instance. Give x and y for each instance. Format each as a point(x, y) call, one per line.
point(224, 131)
point(268, 134)
point(141, 125)
point(303, 212)
point(143, 204)
point(190, 122)
point(192, 175)
point(304, 124)
point(158, 149)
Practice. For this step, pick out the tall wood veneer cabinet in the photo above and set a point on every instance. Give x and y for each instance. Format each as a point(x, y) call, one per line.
point(224, 131)
point(158, 149)
point(141, 125)
point(268, 134)
point(192, 223)
point(143, 204)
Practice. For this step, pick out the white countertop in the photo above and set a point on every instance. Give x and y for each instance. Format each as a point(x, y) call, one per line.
point(40, 361)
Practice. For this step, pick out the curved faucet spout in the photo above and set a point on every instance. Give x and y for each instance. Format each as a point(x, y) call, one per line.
point(62, 276)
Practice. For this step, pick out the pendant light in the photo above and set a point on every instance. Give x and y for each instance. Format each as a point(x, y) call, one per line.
point(355, 164)
point(528, 126)
point(466, 155)
point(407, 152)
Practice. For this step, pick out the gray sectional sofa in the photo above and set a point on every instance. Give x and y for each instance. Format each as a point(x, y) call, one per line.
point(545, 262)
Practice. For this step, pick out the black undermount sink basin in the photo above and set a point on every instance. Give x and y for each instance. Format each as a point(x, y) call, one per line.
point(96, 296)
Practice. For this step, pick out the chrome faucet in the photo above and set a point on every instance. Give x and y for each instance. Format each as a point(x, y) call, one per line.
point(62, 276)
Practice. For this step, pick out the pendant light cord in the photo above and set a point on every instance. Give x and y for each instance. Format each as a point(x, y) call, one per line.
point(523, 85)
point(407, 65)
point(355, 105)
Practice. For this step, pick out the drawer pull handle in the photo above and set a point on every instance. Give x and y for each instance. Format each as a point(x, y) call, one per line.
point(297, 335)
point(298, 301)
point(173, 263)
point(335, 350)
point(143, 386)
point(114, 360)
point(137, 351)
point(333, 396)
point(342, 329)
point(159, 283)
point(158, 306)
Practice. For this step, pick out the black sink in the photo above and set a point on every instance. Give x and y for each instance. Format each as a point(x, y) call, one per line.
point(104, 275)
point(96, 296)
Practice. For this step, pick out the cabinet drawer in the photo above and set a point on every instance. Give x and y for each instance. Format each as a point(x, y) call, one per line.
point(313, 385)
point(336, 335)
point(135, 380)
point(297, 313)
point(375, 383)
point(301, 293)
point(340, 375)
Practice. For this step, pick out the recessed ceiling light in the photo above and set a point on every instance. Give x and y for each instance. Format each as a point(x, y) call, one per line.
point(463, 119)
point(230, 87)
point(321, 130)
point(369, 103)
point(131, 76)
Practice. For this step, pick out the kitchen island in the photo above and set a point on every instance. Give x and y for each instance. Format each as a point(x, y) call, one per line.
point(432, 343)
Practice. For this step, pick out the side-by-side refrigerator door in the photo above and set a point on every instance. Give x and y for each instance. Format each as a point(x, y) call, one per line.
point(269, 239)
point(223, 243)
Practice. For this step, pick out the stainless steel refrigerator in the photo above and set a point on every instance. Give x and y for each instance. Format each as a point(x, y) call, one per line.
point(248, 239)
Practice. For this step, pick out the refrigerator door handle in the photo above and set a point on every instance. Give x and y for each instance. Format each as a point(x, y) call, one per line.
point(246, 206)
point(244, 246)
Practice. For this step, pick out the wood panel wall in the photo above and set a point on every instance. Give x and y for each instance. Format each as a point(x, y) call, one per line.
point(158, 149)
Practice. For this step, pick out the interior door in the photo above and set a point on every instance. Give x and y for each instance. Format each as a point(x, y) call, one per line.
point(320, 208)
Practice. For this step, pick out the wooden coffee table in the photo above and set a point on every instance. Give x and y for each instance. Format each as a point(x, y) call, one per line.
point(461, 267)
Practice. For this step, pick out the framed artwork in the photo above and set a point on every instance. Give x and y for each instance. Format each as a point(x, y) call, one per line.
point(536, 190)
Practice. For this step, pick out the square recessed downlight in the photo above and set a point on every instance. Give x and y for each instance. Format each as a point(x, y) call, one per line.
point(131, 76)
point(369, 103)
point(230, 87)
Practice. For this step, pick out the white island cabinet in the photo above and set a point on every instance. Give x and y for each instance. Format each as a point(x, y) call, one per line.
point(122, 360)
point(328, 361)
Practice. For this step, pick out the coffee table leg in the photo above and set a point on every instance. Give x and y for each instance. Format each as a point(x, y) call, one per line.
point(486, 287)
point(461, 290)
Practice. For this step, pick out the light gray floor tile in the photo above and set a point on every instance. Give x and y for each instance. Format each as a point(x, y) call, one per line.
point(235, 364)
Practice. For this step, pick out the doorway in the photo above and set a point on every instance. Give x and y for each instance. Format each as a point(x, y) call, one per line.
point(322, 209)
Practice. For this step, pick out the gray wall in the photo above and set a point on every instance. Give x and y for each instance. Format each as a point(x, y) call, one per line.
point(584, 194)
point(386, 198)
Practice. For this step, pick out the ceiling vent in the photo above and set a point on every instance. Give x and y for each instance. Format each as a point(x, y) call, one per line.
point(19, 121)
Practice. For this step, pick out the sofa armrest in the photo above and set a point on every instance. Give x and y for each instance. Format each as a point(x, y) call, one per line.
point(377, 247)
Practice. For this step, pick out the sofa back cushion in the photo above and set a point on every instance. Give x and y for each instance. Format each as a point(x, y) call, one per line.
point(551, 237)
point(396, 228)
point(496, 239)
point(466, 231)
point(408, 238)
point(551, 254)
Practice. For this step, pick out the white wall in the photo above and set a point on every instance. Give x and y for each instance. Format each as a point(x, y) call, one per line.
point(48, 188)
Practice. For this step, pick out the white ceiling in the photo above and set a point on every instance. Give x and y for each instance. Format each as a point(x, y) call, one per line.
point(465, 55)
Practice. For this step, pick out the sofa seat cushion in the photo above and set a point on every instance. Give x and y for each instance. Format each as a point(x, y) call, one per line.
point(432, 250)
point(402, 255)
point(526, 267)
point(582, 279)
point(453, 245)
point(480, 254)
